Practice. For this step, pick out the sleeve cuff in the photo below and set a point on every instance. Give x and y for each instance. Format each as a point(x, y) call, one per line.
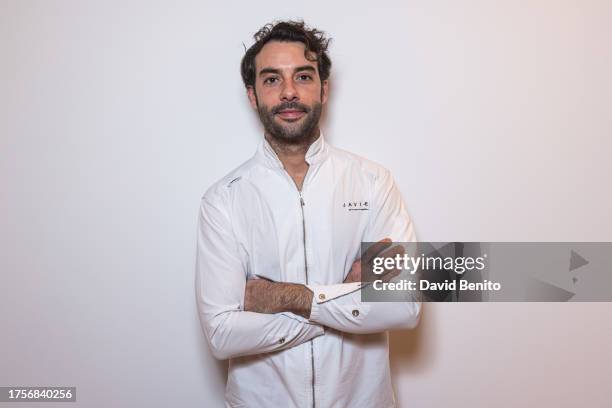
point(325, 293)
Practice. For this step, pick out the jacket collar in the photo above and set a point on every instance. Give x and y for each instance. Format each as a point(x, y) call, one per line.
point(316, 152)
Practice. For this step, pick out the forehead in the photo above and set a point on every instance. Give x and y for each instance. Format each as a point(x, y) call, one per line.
point(282, 55)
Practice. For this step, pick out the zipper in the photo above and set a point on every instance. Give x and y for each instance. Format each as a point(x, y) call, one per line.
point(312, 362)
point(302, 204)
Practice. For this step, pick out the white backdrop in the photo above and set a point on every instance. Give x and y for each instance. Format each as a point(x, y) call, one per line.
point(115, 116)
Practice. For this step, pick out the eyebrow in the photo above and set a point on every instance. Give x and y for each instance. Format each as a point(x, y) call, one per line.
point(269, 70)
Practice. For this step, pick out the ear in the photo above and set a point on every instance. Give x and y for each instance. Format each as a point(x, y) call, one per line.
point(324, 91)
point(252, 96)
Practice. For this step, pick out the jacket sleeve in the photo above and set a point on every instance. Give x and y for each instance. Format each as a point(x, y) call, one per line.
point(221, 267)
point(340, 306)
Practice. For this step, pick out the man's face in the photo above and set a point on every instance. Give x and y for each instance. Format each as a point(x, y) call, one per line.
point(288, 93)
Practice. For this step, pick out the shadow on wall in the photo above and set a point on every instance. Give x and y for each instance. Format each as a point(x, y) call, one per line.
point(408, 351)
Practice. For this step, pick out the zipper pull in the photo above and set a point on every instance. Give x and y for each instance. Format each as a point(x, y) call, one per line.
point(302, 200)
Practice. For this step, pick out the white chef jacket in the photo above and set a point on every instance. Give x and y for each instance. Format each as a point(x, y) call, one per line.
point(255, 223)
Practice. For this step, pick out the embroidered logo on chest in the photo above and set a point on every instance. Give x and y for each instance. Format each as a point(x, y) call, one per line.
point(356, 205)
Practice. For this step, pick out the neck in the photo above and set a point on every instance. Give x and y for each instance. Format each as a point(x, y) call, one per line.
point(293, 156)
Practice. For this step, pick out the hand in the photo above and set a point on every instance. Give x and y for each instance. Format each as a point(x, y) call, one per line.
point(356, 274)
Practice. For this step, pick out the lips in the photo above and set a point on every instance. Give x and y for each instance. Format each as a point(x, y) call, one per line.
point(291, 114)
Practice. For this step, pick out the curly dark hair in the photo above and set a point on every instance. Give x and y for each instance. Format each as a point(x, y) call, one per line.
point(288, 31)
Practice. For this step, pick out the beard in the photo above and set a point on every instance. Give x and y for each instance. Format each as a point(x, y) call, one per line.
point(301, 132)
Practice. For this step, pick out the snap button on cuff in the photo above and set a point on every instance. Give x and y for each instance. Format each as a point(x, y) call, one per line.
point(322, 296)
point(355, 312)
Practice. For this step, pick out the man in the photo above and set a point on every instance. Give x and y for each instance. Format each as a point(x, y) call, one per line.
point(277, 283)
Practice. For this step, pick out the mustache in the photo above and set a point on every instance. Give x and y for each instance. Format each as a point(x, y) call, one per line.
point(290, 105)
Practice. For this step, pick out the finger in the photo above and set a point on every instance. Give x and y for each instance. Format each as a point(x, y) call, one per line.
point(354, 274)
point(393, 252)
point(375, 249)
point(352, 277)
point(390, 275)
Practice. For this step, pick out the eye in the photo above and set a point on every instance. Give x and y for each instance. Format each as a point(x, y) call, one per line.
point(270, 80)
point(305, 77)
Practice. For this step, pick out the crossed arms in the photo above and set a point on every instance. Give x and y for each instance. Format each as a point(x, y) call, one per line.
point(244, 317)
point(265, 296)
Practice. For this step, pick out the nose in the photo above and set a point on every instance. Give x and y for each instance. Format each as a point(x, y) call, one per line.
point(289, 93)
